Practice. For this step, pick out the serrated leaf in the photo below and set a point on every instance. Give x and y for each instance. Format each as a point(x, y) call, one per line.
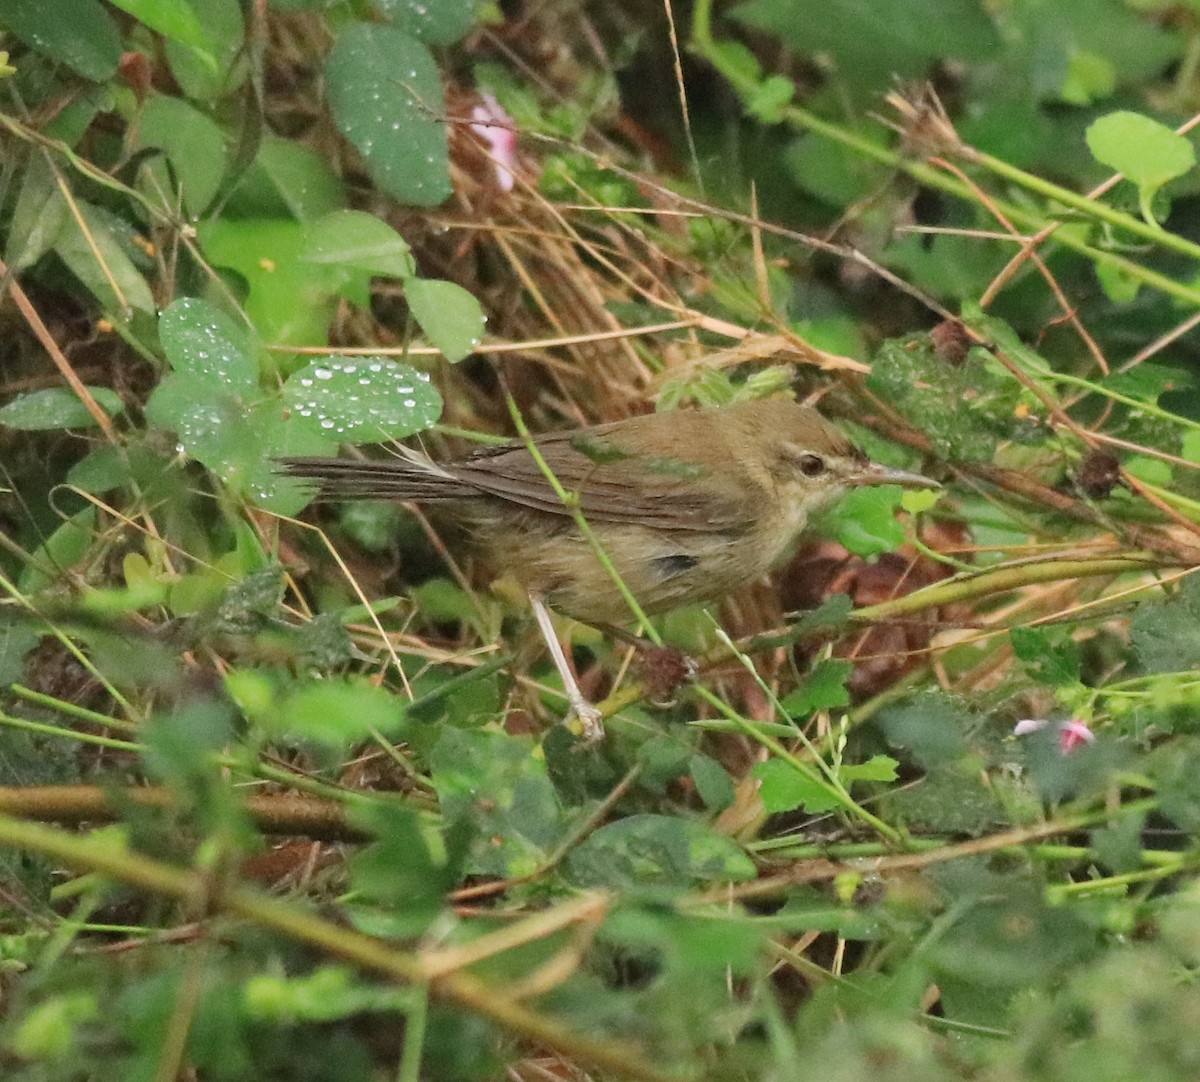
point(877, 768)
point(823, 689)
point(57, 407)
point(930, 726)
point(362, 400)
point(1166, 634)
point(784, 788)
point(644, 850)
point(77, 33)
point(1050, 657)
point(206, 344)
point(450, 316)
point(386, 94)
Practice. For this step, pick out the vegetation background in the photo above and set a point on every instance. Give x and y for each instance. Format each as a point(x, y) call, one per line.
point(282, 790)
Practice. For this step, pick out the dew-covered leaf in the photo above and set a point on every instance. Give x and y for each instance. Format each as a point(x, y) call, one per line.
point(57, 407)
point(386, 94)
point(202, 341)
point(451, 317)
point(362, 400)
point(439, 22)
point(499, 789)
point(77, 33)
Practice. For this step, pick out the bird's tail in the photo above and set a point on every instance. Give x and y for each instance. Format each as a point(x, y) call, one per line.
point(410, 476)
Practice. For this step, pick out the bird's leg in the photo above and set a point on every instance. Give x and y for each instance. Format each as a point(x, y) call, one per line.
point(591, 718)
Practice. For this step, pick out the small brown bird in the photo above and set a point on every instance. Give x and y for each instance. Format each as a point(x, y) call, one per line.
point(687, 504)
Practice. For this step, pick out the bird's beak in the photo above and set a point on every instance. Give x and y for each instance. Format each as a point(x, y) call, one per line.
point(875, 474)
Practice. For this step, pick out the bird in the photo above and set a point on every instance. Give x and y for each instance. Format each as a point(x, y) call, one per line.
point(687, 505)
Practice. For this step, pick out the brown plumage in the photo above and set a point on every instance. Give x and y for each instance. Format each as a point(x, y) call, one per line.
point(688, 504)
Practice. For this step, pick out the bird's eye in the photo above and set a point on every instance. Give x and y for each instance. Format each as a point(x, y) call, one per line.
point(811, 465)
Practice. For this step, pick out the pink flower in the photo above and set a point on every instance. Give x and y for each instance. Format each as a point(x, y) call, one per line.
point(495, 127)
point(1071, 734)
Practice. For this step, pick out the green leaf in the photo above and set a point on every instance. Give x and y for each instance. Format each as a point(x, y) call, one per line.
point(327, 994)
point(438, 22)
point(61, 551)
point(57, 407)
point(1166, 634)
point(77, 33)
point(964, 410)
point(386, 95)
point(202, 341)
point(288, 301)
point(864, 520)
point(285, 179)
point(362, 400)
point(877, 768)
point(407, 867)
point(497, 786)
point(784, 788)
point(203, 71)
point(39, 216)
point(1147, 152)
point(355, 239)
point(100, 261)
point(171, 18)
point(872, 43)
point(657, 850)
point(194, 144)
point(712, 782)
point(823, 689)
point(18, 636)
point(1050, 657)
point(451, 317)
point(931, 727)
point(335, 714)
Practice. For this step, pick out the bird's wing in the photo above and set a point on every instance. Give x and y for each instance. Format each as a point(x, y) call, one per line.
point(613, 485)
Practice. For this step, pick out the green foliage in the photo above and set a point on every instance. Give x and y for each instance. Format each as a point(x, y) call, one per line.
point(350, 840)
point(386, 93)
